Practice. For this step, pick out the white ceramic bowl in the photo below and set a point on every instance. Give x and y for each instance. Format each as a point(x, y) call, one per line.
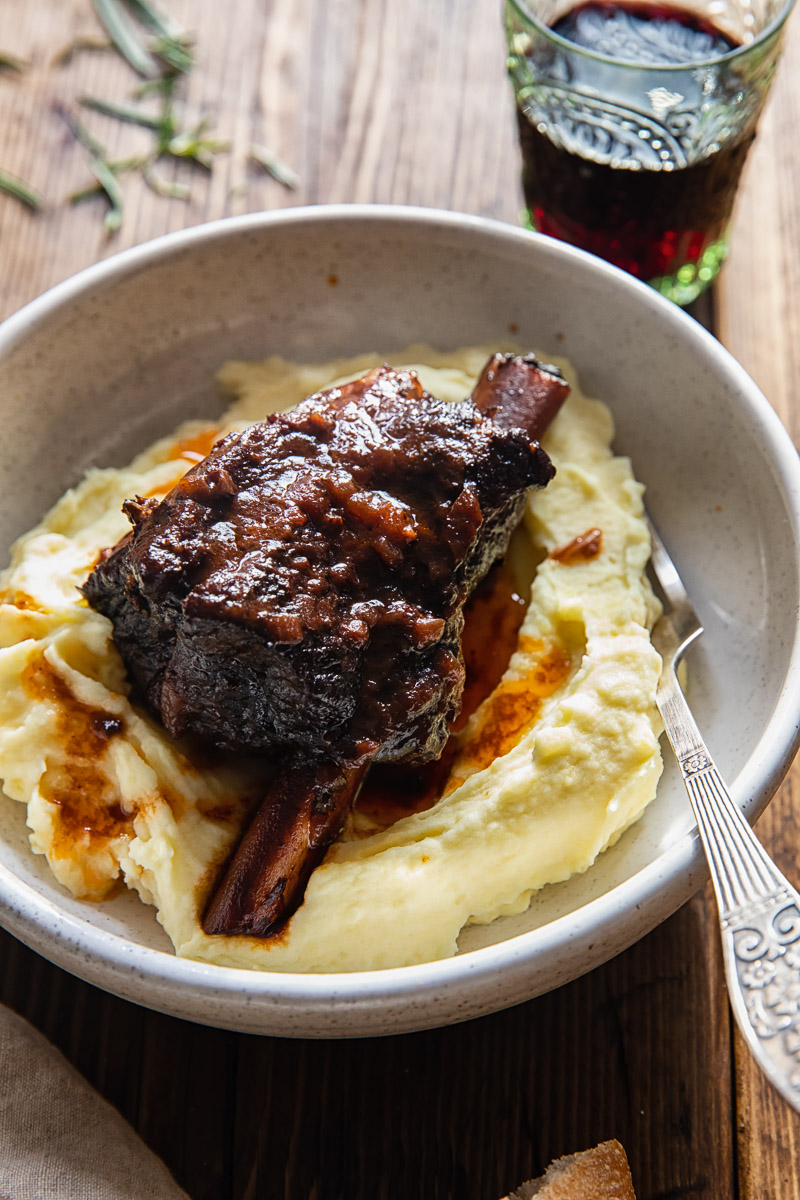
point(97, 368)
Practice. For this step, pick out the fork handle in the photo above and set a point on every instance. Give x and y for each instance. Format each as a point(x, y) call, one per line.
point(759, 909)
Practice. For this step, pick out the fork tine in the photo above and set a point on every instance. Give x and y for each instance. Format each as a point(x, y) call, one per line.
point(675, 631)
point(665, 570)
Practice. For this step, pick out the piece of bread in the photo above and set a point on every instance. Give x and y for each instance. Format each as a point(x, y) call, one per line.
point(599, 1174)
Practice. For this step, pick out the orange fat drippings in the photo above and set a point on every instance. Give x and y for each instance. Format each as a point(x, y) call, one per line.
point(191, 450)
point(87, 804)
point(513, 707)
point(197, 447)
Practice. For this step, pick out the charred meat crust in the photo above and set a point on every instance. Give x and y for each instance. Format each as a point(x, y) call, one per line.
point(303, 586)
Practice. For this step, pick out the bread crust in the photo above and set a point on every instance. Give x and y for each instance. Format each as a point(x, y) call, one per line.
point(598, 1174)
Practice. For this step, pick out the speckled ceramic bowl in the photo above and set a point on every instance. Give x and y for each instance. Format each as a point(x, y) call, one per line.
point(97, 368)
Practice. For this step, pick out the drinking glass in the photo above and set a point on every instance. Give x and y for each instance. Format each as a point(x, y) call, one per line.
point(639, 161)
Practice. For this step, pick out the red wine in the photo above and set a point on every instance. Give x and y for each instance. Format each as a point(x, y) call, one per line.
point(637, 189)
point(635, 31)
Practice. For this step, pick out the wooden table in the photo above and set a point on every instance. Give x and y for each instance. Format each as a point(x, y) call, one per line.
point(406, 101)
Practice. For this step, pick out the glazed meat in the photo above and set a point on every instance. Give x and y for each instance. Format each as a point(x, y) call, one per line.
point(301, 592)
point(303, 586)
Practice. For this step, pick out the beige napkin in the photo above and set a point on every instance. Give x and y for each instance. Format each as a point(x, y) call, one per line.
point(59, 1140)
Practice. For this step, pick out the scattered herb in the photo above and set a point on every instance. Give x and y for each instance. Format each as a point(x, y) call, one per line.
point(171, 141)
point(101, 168)
point(274, 167)
point(159, 51)
point(161, 186)
point(174, 54)
point(123, 112)
point(9, 62)
point(195, 145)
point(66, 54)
point(123, 32)
point(11, 185)
point(170, 47)
point(117, 167)
point(160, 23)
point(161, 54)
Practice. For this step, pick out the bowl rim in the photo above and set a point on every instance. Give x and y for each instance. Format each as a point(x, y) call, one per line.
point(675, 874)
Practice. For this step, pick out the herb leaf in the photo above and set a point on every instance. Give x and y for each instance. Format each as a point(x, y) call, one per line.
point(125, 36)
point(174, 53)
point(160, 23)
point(274, 166)
point(192, 144)
point(9, 62)
point(79, 131)
point(123, 112)
point(12, 185)
point(100, 167)
point(111, 186)
point(161, 186)
point(66, 54)
point(161, 52)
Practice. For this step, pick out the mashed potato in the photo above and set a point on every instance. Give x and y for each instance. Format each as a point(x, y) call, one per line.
point(551, 768)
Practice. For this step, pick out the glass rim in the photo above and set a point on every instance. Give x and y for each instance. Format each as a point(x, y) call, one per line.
point(713, 60)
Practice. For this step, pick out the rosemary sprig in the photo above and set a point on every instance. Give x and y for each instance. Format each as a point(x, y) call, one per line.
point(174, 53)
point(117, 167)
point(159, 22)
point(171, 141)
point(274, 166)
point(66, 54)
point(123, 112)
point(194, 145)
point(12, 185)
point(110, 185)
point(160, 52)
point(99, 166)
point(169, 48)
point(161, 186)
point(10, 62)
point(124, 34)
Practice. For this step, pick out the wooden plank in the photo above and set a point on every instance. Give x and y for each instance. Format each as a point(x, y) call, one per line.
point(186, 1105)
point(759, 289)
point(327, 86)
point(628, 1052)
point(637, 1050)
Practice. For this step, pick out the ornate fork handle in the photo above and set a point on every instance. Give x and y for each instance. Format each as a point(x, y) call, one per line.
point(759, 909)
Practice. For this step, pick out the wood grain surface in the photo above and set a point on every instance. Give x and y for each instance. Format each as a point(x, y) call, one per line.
point(405, 101)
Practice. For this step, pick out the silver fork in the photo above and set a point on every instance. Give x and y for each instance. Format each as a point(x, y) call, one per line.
point(759, 909)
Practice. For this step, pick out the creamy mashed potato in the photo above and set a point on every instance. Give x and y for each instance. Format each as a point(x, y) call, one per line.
point(550, 769)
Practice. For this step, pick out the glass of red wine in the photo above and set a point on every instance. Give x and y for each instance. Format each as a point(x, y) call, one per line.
point(635, 119)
